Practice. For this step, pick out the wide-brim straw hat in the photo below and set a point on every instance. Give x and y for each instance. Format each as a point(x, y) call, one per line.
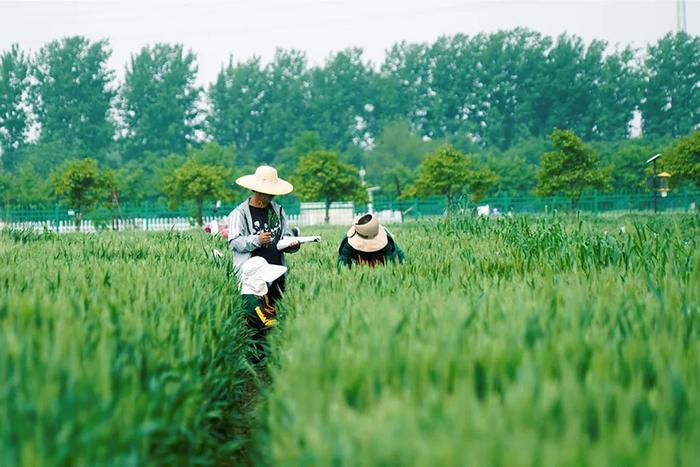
point(265, 180)
point(367, 235)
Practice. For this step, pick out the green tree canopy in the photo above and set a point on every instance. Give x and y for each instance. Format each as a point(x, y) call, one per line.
point(127, 184)
point(14, 113)
point(321, 175)
point(508, 70)
point(7, 194)
point(81, 184)
point(73, 94)
point(31, 189)
point(682, 160)
point(405, 85)
point(237, 99)
point(197, 182)
point(259, 109)
point(158, 102)
point(302, 144)
point(212, 153)
point(45, 156)
point(619, 91)
point(494, 95)
point(343, 98)
point(515, 174)
point(452, 89)
point(25, 188)
point(672, 98)
point(397, 153)
point(398, 142)
point(286, 103)
point(567, 90)
point(570, 168)
point(627, 157)
point(447, 171)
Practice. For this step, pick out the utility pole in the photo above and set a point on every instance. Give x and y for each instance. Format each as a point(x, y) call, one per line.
point(652, 160)
point(656, 192)
point(681, 22)
point(370, 190)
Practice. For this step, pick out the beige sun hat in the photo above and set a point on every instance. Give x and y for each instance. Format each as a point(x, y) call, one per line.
point(256, 273)
point(265, 180)
point(367, 235)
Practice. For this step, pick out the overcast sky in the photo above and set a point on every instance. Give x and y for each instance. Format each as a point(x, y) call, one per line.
point(216, 29)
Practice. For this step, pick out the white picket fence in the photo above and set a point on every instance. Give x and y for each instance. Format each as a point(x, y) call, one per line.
point(87, 226)
point(341, 213)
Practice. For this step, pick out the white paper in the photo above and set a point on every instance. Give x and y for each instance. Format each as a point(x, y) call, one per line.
point(286, 241)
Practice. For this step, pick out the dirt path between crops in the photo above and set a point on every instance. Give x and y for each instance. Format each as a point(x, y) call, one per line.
point(247, 455)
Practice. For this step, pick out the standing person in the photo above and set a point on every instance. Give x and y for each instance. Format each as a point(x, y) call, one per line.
point(258, 223)
point(368, 243)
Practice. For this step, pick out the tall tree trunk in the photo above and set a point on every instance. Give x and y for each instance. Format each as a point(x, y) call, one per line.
point(199, 212)
point(79, 214)
point(397, 184)
point(115, 215)
point(327, 220)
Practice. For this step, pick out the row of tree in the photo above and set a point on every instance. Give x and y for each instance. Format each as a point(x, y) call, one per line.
point(393, 165)
point(207, 174)
point(490, 91)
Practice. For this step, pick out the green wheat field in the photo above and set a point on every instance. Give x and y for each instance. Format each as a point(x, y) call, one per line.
point(508, 342)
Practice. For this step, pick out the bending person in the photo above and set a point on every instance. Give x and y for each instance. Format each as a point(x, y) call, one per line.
point(258, 223)
point(368, 243)
point(260, 314)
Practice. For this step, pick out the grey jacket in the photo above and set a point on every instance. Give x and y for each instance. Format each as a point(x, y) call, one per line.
point(241, 240)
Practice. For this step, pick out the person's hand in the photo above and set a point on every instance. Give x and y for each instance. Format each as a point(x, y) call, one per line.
point(295, 244)
point(265, 238)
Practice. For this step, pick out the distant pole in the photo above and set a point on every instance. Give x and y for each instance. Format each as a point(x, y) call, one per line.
point(681, 20)
point(652, 160)
point(656, 192)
